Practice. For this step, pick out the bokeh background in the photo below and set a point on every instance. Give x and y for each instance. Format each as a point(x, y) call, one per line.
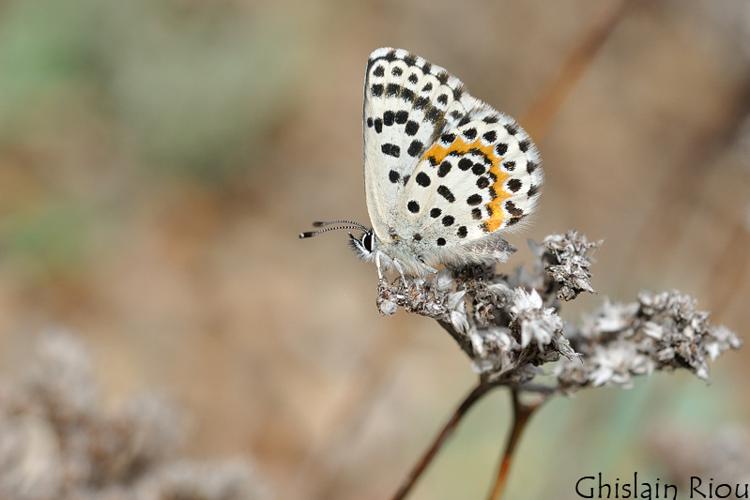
point(158, 158)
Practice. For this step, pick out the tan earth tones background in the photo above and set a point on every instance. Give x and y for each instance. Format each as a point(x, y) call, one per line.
point(158, 158)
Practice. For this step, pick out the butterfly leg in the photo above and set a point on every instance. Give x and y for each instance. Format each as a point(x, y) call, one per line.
point(378, 265)
point(400, 270)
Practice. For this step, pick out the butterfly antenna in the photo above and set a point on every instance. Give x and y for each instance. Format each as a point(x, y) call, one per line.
point(356, 224)
point(325, 229)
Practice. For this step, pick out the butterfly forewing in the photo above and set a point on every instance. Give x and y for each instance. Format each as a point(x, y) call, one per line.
point(408, 102)
point(442, 168)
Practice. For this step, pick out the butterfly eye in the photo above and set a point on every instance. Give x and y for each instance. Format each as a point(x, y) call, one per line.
point(367, 241)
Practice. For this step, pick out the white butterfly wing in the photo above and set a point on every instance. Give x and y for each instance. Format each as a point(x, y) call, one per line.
point(407, 104)
point(443, 169)
point(480, 177)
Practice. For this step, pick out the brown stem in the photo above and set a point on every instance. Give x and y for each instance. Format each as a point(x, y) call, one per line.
point(537, 119)
point(481, 389)
point(437, 443)
point(521, 415)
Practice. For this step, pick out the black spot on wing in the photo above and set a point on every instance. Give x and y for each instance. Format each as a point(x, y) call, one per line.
point(423, 179)
point(415, 148)
point(465, 164)
point(474, 199)
point(446, 193)
point(444, 168)
point(434, 115)
point(411, 128)
point(391, 149)
point(513, 209)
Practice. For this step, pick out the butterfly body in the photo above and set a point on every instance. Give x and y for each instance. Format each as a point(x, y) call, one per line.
point(445, 173)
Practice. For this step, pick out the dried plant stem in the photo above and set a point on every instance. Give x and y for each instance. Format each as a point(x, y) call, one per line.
point(521, 415)
point(476, 394)
point(538, 118)
point(447, 431)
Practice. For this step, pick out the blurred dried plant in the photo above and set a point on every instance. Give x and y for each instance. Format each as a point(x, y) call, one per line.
point(723, 456)
point(57, 442)
point(510, 327)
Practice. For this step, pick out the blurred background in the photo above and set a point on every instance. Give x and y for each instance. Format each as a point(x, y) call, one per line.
point(158, 158)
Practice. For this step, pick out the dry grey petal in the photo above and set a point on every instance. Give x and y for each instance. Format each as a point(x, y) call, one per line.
point(459, 321)
point(536, 323)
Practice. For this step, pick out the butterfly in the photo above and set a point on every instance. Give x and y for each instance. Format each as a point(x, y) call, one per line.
point(446, 175)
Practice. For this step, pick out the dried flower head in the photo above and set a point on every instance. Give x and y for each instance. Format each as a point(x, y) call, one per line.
point(567, 262)
point(509, 326)
point(661, 331)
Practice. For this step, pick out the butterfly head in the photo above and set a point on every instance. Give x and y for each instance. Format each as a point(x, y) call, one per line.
point(364, 246)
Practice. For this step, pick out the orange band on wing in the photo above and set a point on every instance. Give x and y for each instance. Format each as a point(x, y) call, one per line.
point(438, 153)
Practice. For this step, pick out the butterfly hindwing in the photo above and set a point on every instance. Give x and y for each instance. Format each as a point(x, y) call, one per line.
point(445, 173)
point(477, 178)
point(408, 102)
